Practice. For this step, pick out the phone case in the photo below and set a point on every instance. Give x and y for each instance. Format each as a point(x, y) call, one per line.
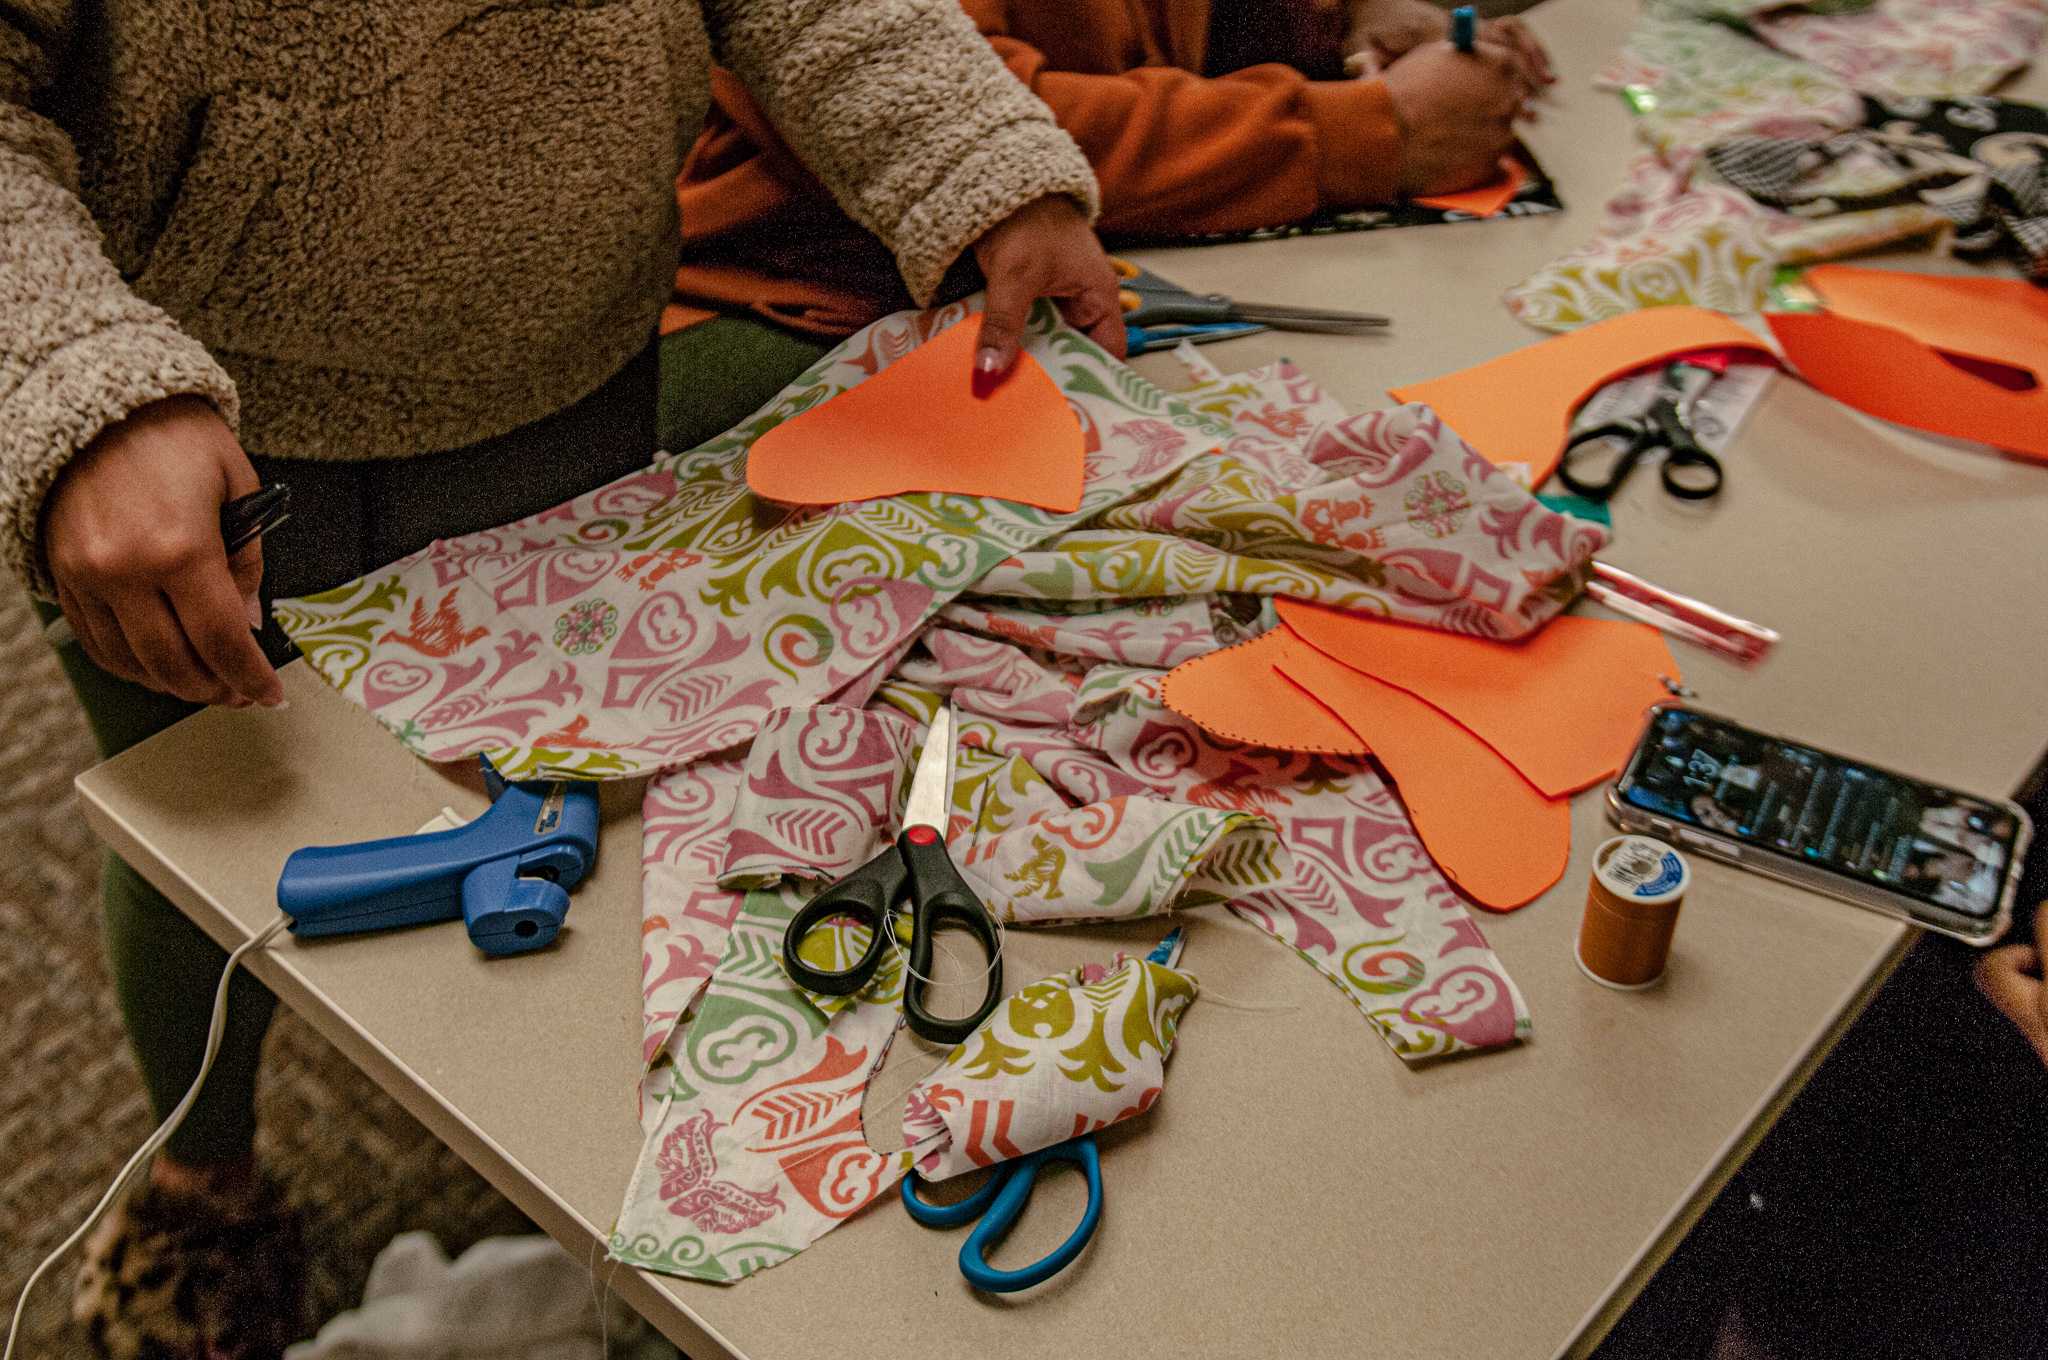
point(1786, 869)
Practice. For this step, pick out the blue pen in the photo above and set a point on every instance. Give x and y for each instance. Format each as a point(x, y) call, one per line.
point(1464, 27)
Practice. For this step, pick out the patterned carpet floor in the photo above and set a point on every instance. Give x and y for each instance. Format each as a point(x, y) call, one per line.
point(71, 1105)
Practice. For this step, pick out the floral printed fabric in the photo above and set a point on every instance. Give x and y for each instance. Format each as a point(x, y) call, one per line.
point(1980, 162)
point(1066, 1056)
point(1677, 235)
point(1272, 490)
point(756, 1146)
point(1902, 48)
point(778, 665)
point(1703, 72)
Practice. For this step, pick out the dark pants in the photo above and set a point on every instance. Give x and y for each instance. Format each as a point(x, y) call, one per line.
point(1900, 1208)
point(348, 519)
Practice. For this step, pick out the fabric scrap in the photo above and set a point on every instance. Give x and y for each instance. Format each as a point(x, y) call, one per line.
point(1982, 163)
point(1068, 1055)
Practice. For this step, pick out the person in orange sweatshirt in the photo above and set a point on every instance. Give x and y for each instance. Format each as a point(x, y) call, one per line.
point(1198, 116)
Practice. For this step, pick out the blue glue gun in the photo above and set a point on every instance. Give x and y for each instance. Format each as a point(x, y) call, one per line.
point(507, 874)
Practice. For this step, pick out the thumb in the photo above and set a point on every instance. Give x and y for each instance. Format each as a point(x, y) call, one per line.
point(1002, 325)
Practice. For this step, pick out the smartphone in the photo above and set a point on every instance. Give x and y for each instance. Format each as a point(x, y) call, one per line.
point(1941, 859)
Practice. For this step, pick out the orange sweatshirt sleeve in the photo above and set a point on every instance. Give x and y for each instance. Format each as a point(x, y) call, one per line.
point(1181, 153)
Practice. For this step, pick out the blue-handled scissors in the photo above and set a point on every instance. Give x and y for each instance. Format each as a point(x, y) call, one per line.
point(1002, 1198)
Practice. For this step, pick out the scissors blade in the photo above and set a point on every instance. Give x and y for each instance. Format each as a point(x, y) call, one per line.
point(931, 788)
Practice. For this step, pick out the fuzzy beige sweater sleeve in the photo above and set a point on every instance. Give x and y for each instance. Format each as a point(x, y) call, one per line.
point(79, 351)
point(906, 114)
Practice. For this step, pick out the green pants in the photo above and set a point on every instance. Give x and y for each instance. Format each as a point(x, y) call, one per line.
point(348, 519)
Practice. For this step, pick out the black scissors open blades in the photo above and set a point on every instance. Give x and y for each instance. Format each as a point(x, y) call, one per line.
point(918, 867)
point(1687, 470)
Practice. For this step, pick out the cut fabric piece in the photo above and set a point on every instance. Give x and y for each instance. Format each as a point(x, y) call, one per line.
point(923, 424)
point(1674, 237)
point(1486, 199)
point(1388, 512)
point(1068, 1055)
point(1982, 163)
point(1239, 694)
point(658, 619)
point(684, 822)
point(758, 1149)
point(1518, 408)
point(1357, 896)
point(1491, 831)
point(1243, 487)
point(1564, 706)
point(1898, 48)
point(1691, 81)
point(1888, 374)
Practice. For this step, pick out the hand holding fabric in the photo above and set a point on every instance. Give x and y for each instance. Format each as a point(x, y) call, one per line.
point(132, 531)
point(2011, 978)
point(1044, 249)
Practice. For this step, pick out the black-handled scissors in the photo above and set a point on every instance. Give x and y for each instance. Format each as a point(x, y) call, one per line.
point(918, 867)
point(1688, 471)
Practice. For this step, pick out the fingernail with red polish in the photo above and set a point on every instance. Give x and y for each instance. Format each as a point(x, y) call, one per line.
point(988, 371)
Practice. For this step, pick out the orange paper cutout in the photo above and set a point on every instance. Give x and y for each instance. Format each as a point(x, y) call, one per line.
point(919, 425)
point(1563, 706)
point(1238, 695)
point(1966, 357)
point(1490, 831)
point(2002, 320)
point(1488, 198)
point(1890, 375)
point(1518, 408)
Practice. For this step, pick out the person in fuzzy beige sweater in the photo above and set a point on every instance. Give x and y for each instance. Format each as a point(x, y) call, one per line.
point(407, 258)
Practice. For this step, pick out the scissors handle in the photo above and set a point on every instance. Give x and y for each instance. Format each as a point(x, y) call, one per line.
point(940, 897)
point(1001, 1200)
point(1633, 436)
point(1010, 1201)
point(867, 895)
point(1691, 473)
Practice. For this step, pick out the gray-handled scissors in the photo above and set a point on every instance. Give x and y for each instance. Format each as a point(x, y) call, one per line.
point(1597, 461)
point(1148, 300)
point(918, 869)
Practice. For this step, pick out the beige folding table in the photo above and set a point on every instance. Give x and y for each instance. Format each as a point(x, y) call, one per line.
point(1299, 1190)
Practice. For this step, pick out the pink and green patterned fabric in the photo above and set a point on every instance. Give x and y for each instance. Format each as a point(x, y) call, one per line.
point(1697, 72)
point(773, 668)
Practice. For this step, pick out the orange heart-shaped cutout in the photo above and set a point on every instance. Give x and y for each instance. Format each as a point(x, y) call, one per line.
point(921, 425)
point(1239, 694)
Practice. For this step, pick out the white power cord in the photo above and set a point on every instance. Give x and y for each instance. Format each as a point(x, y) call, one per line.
point(155, 1141)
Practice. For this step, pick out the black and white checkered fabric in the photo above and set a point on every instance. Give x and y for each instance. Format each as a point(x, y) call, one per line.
point(1981, 162)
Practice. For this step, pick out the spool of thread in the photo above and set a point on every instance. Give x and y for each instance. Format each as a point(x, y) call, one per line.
point(1632, 907)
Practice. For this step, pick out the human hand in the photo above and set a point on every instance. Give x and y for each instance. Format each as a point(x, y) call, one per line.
point(2010, 978)
point(132, 534)
point(1383, 31)
point(1044, 249)
point(1457, 112)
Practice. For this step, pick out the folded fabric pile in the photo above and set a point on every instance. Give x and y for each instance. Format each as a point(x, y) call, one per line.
point(1756, 115)
point(1981, 163)
point(775, 665)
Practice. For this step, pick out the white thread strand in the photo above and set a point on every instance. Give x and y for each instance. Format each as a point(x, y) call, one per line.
point(152, 1144)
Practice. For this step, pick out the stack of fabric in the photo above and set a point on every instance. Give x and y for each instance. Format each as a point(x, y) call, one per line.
point(772, 667)
point(1788, 135)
